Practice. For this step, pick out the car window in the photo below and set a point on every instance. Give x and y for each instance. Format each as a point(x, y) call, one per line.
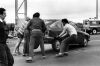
point(56, 26)
point(75, 26)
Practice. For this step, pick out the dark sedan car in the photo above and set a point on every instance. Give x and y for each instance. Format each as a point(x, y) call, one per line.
point(54, 29)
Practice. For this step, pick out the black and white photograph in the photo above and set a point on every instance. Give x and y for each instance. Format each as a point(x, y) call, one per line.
point(49, 33)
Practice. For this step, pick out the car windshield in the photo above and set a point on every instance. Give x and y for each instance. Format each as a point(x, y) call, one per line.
point(76, 26)
point(57, 26)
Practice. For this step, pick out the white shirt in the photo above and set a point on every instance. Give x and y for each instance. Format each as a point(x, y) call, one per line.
point(70, 29)
point(22, 27)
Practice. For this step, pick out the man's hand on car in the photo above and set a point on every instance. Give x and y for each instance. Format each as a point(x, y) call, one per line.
point(58, 38)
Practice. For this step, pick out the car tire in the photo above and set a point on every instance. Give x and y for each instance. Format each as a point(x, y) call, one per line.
point(56, 45)
point(85, 42)
point(94, 31)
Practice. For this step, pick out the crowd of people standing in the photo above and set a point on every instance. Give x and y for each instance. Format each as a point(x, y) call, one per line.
point(35, 31)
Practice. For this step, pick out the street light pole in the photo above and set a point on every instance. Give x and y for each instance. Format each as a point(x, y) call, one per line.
point(96, 9)
point(18, 7)
point(16, 11)
point(25, 8)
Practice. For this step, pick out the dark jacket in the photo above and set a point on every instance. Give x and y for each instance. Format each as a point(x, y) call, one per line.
point(3, 32)
point(37, 23)
point(5, 54)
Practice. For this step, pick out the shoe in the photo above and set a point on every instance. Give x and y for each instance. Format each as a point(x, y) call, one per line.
point(44, 57)
point(66, 53)
point(19, 53)
point(25, 55)
point(29, 59)
point(59, 55)
point(14, 54)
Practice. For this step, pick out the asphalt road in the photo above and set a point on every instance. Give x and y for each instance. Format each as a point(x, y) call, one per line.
point(78, 56)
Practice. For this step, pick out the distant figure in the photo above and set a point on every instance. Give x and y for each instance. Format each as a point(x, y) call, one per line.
point(37, 29)
point(6, 58)
point(67, 30)
point(20, 35)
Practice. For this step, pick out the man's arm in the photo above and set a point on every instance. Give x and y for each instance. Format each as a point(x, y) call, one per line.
point(43, 27)
point(63, 33)
point(28, 25)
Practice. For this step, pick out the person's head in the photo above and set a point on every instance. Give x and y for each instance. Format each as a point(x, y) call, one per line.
point(2, 13)
point(28, 19)
point(37, 14)
point(65, 21)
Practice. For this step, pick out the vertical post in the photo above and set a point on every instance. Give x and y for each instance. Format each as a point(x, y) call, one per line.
point(25, 8)
point(96, 9)
point(16, 11)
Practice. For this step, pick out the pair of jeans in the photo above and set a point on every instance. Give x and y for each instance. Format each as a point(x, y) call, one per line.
point(36, 37)
point(26, 42)
point(65, 43)
point(6, 57)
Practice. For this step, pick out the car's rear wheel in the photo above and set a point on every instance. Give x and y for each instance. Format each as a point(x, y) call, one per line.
point(56, 45)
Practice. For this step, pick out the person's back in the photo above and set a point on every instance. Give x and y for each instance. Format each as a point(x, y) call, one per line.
point(37, 23)
point(37, 29)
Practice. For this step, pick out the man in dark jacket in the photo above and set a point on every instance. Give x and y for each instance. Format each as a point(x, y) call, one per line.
point(6, 59)
point(37, 29)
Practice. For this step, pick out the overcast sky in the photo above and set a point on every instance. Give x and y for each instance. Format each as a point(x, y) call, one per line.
point(54, 9)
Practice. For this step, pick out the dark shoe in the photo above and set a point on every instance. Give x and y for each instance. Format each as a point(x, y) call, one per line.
point(66, 53)
point(59, 55)
point(25, 55)
point(29, 60)
point(14, 54)
point(44, 57)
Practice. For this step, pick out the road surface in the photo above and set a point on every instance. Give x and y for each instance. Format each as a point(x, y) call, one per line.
point(79, 56)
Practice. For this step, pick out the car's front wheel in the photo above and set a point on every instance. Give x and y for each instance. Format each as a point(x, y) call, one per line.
point(85, 42)
point(56, 45)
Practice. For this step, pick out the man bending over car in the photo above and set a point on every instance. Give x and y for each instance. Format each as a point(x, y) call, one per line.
point(67, 30)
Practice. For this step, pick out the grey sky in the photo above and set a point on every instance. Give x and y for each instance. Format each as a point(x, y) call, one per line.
point(71, 9)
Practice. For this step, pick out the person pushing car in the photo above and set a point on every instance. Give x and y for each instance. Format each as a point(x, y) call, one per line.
point(67, 30)
point(37, 30)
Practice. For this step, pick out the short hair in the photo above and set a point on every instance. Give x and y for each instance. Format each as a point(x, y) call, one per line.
point(64, 21)
point(37, 14)
point(27, 18)
point(2, 10)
